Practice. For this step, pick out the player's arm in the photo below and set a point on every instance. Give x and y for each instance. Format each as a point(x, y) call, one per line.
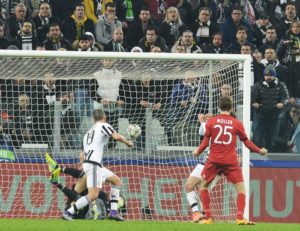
point(201, 118)
point(205, 142)
point(81, 157)
point(248, 143)
point(116, 136)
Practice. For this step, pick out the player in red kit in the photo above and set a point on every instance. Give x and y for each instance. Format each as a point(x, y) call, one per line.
point(221, 132)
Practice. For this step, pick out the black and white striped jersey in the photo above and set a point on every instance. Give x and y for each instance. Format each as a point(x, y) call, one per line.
point(95, 140)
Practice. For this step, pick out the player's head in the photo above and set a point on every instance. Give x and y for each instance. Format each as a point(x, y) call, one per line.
point(99, 115)
point(225, 103)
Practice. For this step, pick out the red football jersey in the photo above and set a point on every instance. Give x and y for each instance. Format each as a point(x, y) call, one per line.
point(222, 131)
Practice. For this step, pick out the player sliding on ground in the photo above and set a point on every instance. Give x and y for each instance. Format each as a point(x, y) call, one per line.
point(92, 149)
point(221, 132)
point(97, 210)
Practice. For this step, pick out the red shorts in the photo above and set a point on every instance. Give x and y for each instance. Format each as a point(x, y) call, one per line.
point(232, 172)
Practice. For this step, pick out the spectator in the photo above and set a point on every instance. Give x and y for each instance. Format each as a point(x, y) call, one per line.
point(157, 10)
point(155, 49)
point(55, 39)
point(94, 45)
point(260, 29)
point(288, 49)
point(152, 39)
point(186, 12)
point(179, 49)
point(106, 24)
point(128, 11)
point(270, 40)
point(268, 99)
point(172, 26)
point(294, 83)
point(185, 97)
point(26, 121)
point(257, 55)
point(84, 43)
point(290, 15)
point(204, 28)
point(257, 68)
point(136, 49)
point(83, 95)
point(220, 89)
point(229, 28)
point(281, 70)
point(77, 25)
point(62, 9)
point(15, 22)
point(216, 46)
point(241, 39)
point(69, 124)
point(106, 93)
point(187, 40)
point(4, 43)
point(8, 8)
point(6, 130)
point(288, 122)
point(116, 44)
point(26, 40)
point(48, 93)
point(43, 20)
point(138, 97)
point(137, 29)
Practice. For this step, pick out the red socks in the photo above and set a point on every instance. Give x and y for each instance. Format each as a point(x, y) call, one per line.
point(241, 203)
point(205, 199)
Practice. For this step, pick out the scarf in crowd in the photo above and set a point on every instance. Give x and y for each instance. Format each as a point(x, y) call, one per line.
point(129, 11)
point(260, 6)
point(249, 11)
point(161, 7)
point(221, 14)
point(79, 25)
point(44, 20)
point(174, 30)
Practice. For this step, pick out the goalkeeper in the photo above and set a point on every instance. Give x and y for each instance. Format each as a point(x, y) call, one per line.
point(97, 210)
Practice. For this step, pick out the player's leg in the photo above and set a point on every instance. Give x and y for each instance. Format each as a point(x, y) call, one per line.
point(54, 179)
point(234, 175)
point(209, 173)
point(94, 184)
point(114, 196)
point(194, 180)
point(76, 173)
point(205, 199)
point(80, 184)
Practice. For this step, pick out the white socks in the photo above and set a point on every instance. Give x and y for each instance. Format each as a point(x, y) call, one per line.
point(79, 204)
point(114, 197)
point(192, 199)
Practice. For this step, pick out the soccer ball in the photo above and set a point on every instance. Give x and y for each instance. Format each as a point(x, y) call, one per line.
point(134, 131)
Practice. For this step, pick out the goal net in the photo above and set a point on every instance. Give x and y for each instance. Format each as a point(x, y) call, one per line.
point(46, 103)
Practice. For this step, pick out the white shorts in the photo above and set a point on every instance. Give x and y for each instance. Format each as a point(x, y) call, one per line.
point(197, 171)
point(96, 176)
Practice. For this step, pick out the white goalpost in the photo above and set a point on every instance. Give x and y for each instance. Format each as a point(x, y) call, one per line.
point(46, 102)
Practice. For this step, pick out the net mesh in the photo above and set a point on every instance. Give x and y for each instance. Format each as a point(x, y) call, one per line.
point(46, 105)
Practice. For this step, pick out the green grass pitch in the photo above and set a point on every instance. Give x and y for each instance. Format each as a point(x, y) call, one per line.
point(89, 225)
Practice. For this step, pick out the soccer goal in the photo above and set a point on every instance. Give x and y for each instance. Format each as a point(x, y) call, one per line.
point(46, 104)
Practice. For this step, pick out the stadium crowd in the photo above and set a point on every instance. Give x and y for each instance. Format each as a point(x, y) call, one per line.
point(269, 30)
